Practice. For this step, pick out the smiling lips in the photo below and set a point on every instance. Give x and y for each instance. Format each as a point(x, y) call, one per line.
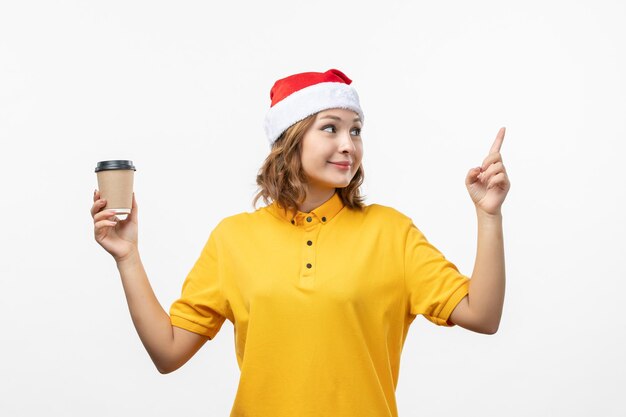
point(341, 164)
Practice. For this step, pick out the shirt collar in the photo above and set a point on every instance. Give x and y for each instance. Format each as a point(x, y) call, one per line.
point(322, 214)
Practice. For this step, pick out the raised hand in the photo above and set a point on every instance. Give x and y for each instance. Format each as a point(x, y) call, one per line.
point(118, 237)
point(489, 184)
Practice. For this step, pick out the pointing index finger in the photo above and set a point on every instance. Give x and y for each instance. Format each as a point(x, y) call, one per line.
point(497, 144)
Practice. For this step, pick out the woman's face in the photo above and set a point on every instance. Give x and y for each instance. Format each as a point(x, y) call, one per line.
point(332, 149)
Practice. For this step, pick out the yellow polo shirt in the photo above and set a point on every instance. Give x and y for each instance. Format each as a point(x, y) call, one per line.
point(321, 303)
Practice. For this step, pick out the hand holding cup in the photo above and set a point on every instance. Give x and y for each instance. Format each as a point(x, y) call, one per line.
point(115, 210)
point(118, 237)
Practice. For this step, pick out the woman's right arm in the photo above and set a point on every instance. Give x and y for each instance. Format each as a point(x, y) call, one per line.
point(169, 346)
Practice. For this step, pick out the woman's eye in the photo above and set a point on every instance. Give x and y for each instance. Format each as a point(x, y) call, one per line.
point(332, 129)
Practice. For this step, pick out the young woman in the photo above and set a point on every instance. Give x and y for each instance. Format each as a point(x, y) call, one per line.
point(321, 288)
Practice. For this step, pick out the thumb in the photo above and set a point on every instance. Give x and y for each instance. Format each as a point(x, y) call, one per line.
point(472, 176)
point(134, 210)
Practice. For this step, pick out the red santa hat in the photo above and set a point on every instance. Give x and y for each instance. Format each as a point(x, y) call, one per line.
point(300, 95)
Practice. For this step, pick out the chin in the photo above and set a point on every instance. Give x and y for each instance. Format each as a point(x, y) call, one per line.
point(334, 182)
point(342, 184)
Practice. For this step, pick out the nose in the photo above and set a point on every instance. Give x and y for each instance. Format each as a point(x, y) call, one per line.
point(346, 144)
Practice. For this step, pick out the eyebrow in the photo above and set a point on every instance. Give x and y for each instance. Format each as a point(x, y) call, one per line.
point(356, 119)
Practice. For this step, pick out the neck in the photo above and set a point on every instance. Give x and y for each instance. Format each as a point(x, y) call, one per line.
point(315, 198)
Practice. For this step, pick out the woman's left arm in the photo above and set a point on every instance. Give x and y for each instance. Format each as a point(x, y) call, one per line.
point(481, 309)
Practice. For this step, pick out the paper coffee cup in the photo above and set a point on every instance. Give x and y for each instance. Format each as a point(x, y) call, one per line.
point(115, 182)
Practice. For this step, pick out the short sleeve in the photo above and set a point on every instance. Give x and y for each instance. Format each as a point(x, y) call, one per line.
point(434, 285)
point(202, 306)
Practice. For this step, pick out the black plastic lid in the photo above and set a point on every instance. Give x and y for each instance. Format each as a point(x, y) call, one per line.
point(115, 164)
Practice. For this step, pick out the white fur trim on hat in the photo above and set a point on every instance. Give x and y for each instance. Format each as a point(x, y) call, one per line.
point(308, 101)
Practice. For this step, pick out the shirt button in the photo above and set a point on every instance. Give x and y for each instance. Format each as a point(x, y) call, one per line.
point(323, 219)
point(309, 243)
point(309, 266)
point(308, 219)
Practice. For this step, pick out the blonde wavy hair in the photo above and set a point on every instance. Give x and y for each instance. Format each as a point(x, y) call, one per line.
point(282, 179)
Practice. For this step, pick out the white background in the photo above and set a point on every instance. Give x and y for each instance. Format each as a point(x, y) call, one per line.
point(181, 89)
